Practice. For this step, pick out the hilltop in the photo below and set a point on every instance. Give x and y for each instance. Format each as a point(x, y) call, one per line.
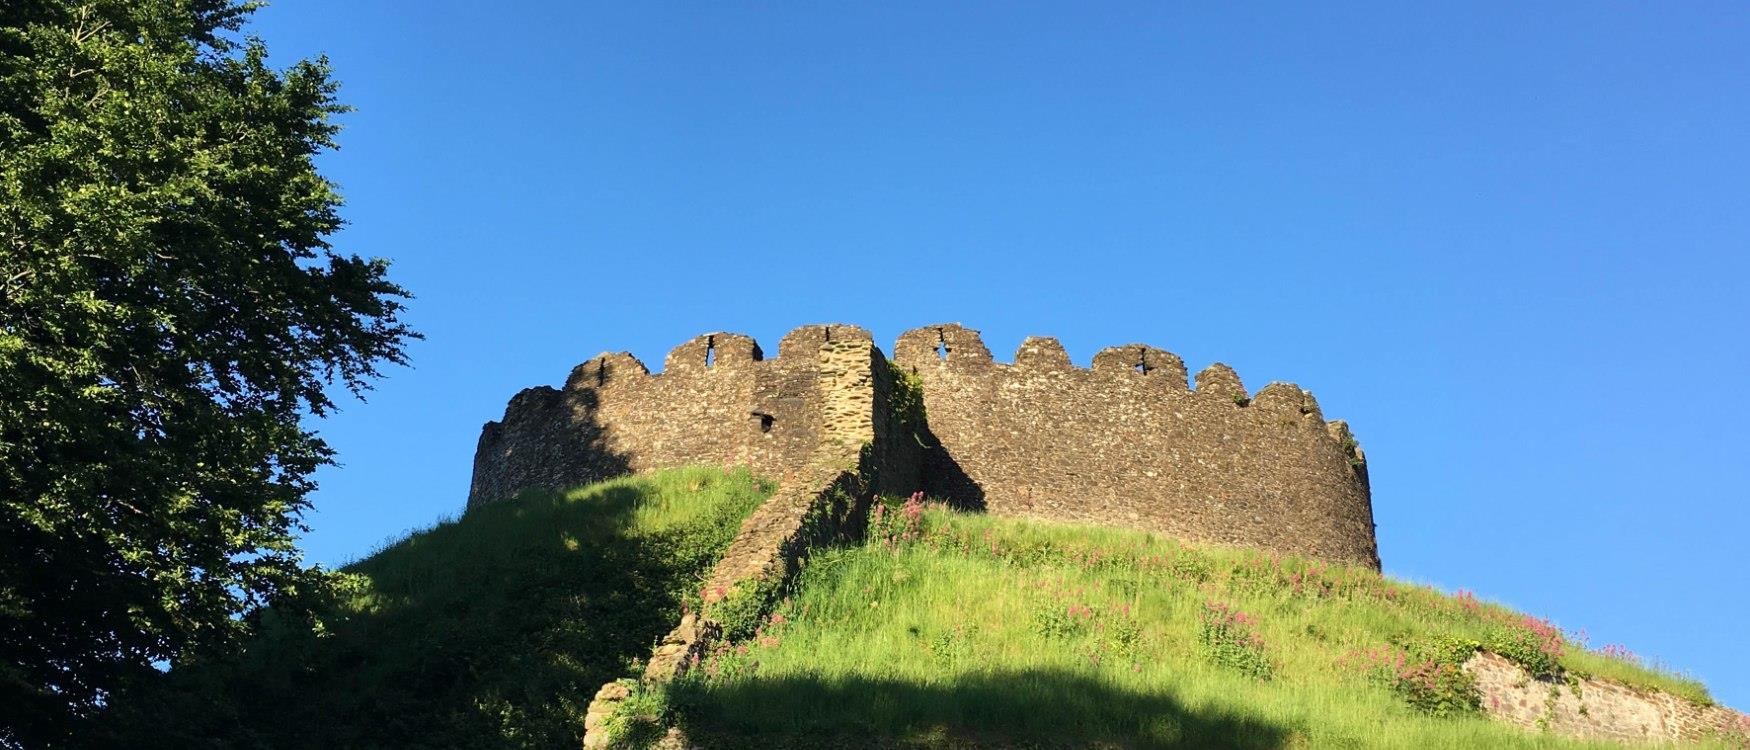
point(934, 628)
point(1112, 558)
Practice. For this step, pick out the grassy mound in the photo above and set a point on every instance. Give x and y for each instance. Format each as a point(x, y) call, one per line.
point(493, 630)
point(960, 630)
point(940, 630)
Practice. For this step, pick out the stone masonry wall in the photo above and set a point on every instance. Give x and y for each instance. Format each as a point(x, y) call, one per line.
point(1599, 709)
point(1128, 443)
point(824, 499)
point(717, 401)
point(1125, 443)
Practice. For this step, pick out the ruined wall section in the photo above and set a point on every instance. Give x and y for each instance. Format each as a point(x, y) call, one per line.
point(718, 400)
point(1130, 443)
point(1125, 443)
point(824, 501)
point(1595, 709)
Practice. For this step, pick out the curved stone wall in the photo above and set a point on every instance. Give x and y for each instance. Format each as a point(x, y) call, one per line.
point(1127, 442)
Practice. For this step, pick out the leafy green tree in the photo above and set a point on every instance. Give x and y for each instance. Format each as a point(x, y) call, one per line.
point(170, 310)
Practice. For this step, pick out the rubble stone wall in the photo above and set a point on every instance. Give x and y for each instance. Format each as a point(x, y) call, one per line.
point(1127, 442)
point(1598, 709)
point(718, 400)
point(823, 501)
point(1130, 443)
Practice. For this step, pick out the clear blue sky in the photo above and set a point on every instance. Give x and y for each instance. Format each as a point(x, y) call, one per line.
point(1508, 243)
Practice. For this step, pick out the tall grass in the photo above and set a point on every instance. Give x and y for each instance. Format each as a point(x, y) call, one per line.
point(492, 630)
point(954, 630)
point(940, 630)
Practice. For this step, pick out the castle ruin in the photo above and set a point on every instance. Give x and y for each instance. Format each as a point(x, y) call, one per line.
point(1128, 442)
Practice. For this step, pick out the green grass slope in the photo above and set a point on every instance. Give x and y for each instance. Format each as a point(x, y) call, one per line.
point(963, 630)
point(940, 630)
point(493, 630)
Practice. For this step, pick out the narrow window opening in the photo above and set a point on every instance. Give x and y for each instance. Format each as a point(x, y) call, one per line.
point(601, 372)
point(766, 421)
point(828, 330)
point(941, 345)
point(710, 351)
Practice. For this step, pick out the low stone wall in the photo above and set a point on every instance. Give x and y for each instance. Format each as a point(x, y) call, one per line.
point(764, 557)
point(824, 501)
point(1597, 709)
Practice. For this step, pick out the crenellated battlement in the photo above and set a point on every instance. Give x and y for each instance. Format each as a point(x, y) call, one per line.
point(953, 346)
point(717, 400)
point(1130, 441)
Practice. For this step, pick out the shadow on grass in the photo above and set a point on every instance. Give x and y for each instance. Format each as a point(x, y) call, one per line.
point(491, 631)
point(1025, 709)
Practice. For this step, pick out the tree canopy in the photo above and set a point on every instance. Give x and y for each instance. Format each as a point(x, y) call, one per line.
point(171, 311)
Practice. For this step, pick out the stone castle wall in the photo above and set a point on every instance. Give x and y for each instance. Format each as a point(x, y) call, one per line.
point(1129, 443)
point(1125, 443)
point(825, 498)
point(717, 401)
